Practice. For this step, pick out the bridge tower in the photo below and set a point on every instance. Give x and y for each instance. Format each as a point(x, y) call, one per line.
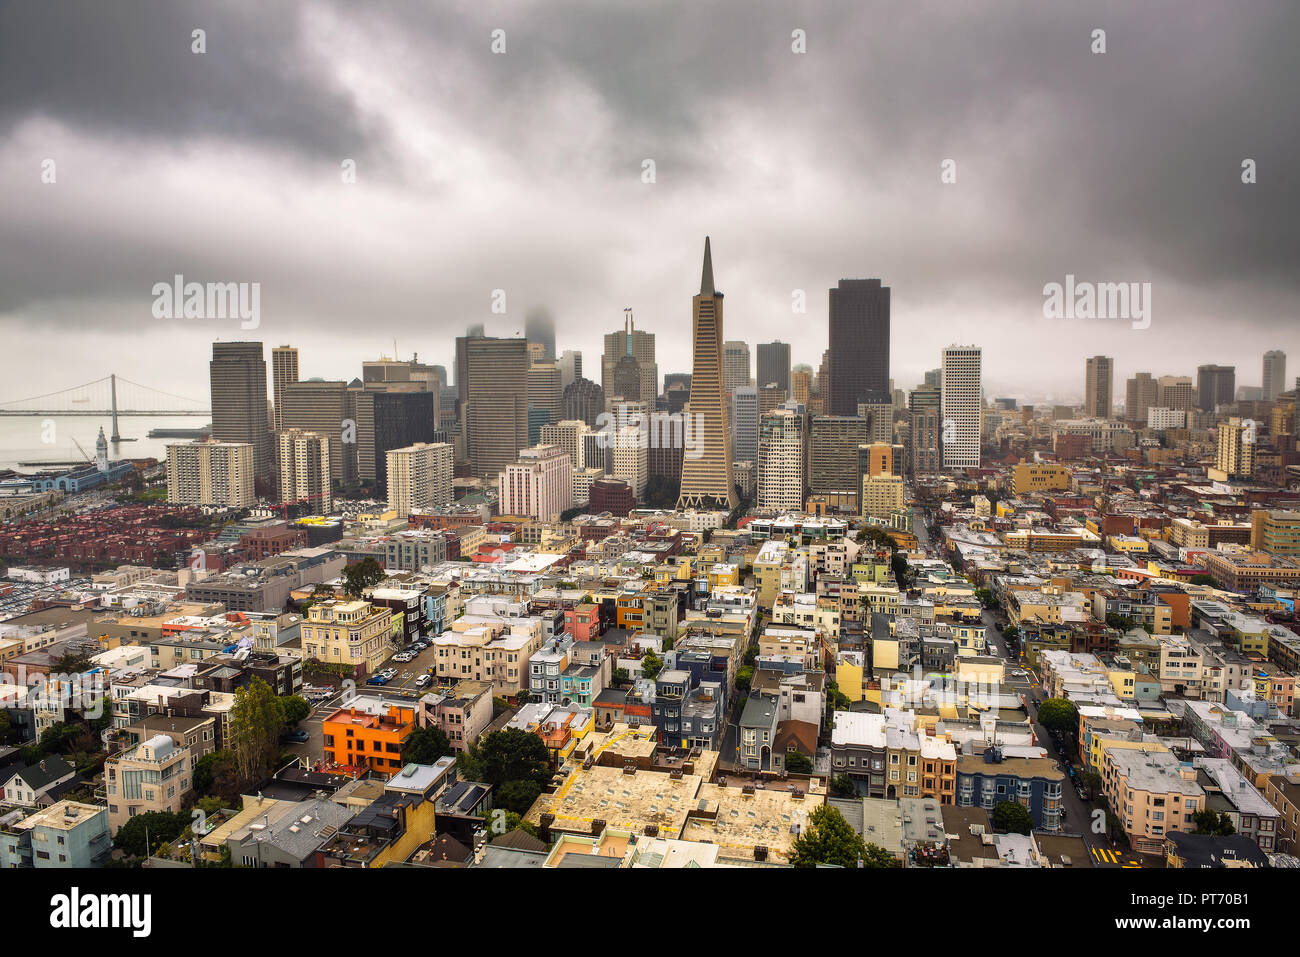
point(112, 391)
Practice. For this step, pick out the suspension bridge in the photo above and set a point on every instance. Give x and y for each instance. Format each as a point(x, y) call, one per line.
point(112, 395)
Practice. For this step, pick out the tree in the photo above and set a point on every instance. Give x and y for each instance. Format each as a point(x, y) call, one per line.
point(512, 755)
point(621, 677)
point(1208, 821)
point(256, 722)
point(651, 665)
point(828, 839)
point(162, 827)
point(1092, 781)
point(744, 678)
point(1058, 714)
point(215, 773)
point(796, 762)
point(1012, 817)
point(842, 786)
point(294, 708)
point(517, 796)
point(426, 745)
point(361, 575)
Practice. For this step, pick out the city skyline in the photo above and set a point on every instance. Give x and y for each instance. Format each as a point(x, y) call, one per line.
point(435, 183)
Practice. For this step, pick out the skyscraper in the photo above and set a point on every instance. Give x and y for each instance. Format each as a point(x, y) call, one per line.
point(1274, 374)
point(925, 409)
point(745, 440)
point(781, 460)
point(735, 366)
point(962, 402)
point(859, 344)
point(419, 477)
point(389, 419)
point(1215, 385)
point(210, 473)
point(1175, 392)
point(284, 370)
point(1140, 393)
point(774, 364)
point(238, 383)
point(582, 399)
point(329, 409)
point(570, 363)
point(630, 341)
point(1098, 387)
point(496, 414)
point(706, 472)
point(305, 470)
point(833, 454)
point(540, 327)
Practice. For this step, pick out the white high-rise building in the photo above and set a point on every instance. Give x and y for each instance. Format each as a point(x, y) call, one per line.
point(781, 457)
point(1274, 374)
point(735, 365)
point(962, 399)
point(419, 477)
point(304, 469)
point(631, 456)
point(539, 485)
point(568, 435)
point(210, 473)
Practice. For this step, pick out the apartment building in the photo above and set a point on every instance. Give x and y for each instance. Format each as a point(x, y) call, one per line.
point(369, 733)
point(154, 775)
point(353, 632)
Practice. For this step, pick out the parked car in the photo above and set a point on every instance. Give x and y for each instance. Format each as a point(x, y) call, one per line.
point(378, 679)
point(298, 735)
point(424, 681)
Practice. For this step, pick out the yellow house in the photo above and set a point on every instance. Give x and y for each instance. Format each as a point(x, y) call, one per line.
point(722, 574)
point(352, 633)
point(850, 673)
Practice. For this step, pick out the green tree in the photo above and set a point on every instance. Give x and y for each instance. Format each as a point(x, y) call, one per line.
point(828, 839)
point(517, 796)
point(162, 827)
point(1208, 821)
point(651, 665)
point(361, 575)
point(796, 762)
point(256, 722)
point(512, 755)
point(212, 770)
point(1012, 817)
point(842, 786)
point(294, 708)
point(744, 678)
point(1058, 714)
point(426, 745)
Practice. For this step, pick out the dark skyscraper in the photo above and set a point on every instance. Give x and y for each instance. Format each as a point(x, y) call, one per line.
point(774, 365)
point(386, 421)
point(582, 399)
point(859, 344)
point(1215, 385)
point(239, 412)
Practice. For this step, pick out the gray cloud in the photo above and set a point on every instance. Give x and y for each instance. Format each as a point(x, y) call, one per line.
point(522, 172)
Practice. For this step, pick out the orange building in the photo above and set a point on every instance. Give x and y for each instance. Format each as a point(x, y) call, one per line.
point(368, 735)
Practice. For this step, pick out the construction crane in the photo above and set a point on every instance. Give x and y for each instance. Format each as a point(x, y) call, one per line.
point(80, 449)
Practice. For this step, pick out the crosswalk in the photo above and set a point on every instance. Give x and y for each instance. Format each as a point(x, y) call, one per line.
point(1106, 856)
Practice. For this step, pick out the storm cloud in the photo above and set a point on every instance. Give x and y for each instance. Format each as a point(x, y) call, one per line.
point(522, 171)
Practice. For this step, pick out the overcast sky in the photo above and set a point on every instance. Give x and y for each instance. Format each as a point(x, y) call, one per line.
point(523, 171)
